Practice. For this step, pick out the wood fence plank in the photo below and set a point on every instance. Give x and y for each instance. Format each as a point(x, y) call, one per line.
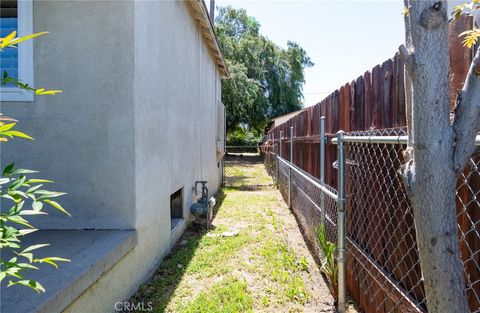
point(386, 82)
point(368, 100)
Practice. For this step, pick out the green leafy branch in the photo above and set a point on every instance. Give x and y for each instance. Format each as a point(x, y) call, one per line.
point(466, 8)
point(26, 195)
point(470, 37)
point(11, 41)
point(7, 131)
point(8, 80)
point(20, 190)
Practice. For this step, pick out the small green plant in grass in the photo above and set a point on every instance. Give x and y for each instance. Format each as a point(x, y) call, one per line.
point(302, 264)
point(329, 264)
point(228, 295)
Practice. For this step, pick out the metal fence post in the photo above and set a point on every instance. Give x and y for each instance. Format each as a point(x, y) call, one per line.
point(290, 170)
point(224, 143)
point(341, 223)
point(223, 171)
point(281, 143)
point(322, 165)
point(276, 165)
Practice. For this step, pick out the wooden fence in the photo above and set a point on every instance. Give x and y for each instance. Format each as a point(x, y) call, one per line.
point(376, 101)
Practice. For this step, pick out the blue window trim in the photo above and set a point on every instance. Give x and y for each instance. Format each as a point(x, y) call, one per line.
point(25, 55)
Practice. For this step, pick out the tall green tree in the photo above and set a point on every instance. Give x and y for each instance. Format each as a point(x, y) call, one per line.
point(266, 80)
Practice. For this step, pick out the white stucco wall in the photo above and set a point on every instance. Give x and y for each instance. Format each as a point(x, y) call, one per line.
point(175, 111)
point(135, 123)
point(84, 138)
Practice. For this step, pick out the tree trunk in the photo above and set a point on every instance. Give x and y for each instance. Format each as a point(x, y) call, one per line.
point(429, 172)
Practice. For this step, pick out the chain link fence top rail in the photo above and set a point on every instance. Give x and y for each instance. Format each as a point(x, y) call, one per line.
point(383, 268)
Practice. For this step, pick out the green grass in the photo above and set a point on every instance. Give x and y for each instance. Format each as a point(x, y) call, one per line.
point(252, 174)
point(253, 271)
point(227, 296)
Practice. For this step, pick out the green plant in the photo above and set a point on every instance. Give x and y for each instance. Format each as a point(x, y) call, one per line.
point(242, 137)
point(329, 265)
point(266, 80)
point(470, 37)
point(25, 195)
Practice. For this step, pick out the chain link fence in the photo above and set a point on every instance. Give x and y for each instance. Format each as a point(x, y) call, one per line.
point(312, 202)
point(383, 271)
point(468, 217)
point(244, 168)
point(383, 268)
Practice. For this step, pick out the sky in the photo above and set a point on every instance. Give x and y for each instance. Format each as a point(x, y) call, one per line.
point(343, 38)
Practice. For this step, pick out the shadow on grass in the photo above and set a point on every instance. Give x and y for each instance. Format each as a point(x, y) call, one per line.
point(251, 187)
point(160, 287)
point(246, 176)
point(220, 197)
point(243, 158)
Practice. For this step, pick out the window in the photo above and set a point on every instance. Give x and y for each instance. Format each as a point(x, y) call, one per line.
point(16, 15)
point(176, 208)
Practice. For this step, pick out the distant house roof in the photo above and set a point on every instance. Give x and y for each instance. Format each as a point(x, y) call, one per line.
point(283, 118)
point(200, 13)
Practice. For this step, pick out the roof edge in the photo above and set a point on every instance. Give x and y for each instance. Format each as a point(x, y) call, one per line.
point(200, 13)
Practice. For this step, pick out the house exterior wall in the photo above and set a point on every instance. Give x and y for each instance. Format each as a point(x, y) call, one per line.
point(84, 137)
point(136, 122)
point(175, 111)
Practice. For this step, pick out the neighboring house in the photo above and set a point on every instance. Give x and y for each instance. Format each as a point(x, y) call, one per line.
point(283, 118)
point(139, 121)
point(274, 122)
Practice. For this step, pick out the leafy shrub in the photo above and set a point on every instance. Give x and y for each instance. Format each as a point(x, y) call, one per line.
point(242, 137)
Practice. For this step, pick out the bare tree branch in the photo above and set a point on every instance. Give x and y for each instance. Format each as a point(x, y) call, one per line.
point(409, 64)
point(408, 168)
point(466, 123)
point(409, 61)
